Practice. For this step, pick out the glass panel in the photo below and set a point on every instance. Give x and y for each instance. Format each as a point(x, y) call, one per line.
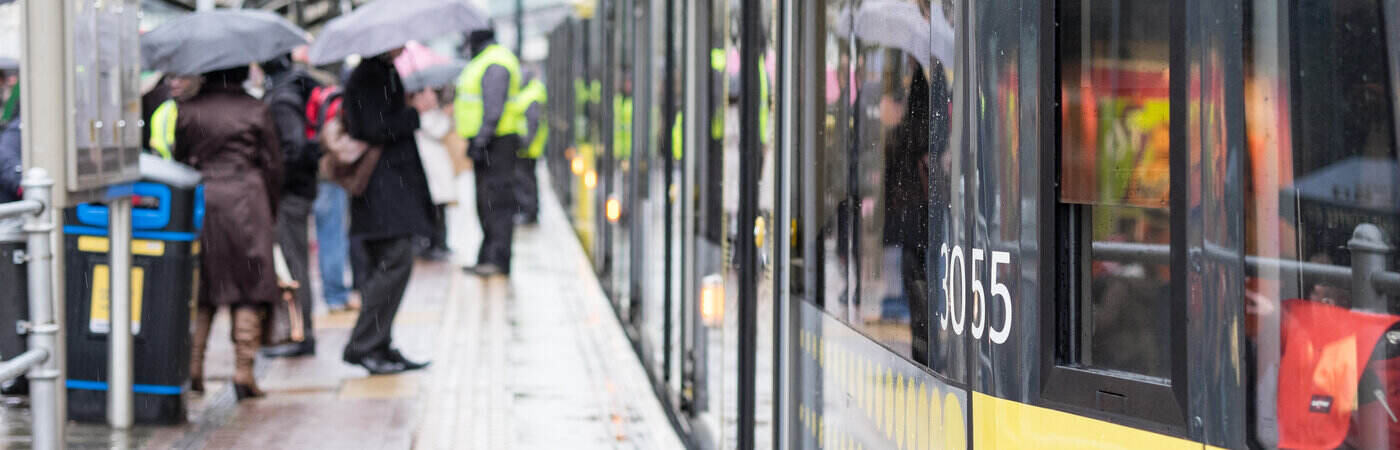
point(1321, 207)
point(1113, 70)
point(890, 194)
point(1114, 182)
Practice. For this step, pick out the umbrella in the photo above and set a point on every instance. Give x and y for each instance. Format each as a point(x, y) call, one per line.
point(220, 39)
point(444, 74)
point(416, 57)
point(9, 63)
point(384, 25)
point(899, 24)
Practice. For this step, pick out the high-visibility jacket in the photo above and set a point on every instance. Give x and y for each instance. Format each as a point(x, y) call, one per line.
point(532, 94)
point(469, 107)
point(163, 128)
point(678, 137)
point(622, 126)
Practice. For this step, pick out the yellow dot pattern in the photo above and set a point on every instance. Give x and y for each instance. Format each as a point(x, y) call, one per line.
point(873, 401)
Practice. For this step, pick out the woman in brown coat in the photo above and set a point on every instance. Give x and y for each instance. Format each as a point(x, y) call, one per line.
point(231, 139)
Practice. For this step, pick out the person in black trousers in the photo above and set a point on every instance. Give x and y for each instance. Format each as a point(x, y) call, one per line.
point(393, 211)
point(288, 90)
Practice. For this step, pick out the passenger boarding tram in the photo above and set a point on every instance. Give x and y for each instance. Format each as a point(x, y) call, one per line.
point(861, 224)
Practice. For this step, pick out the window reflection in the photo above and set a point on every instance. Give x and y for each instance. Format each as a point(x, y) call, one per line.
point(1115, 179)
point(1321, 183)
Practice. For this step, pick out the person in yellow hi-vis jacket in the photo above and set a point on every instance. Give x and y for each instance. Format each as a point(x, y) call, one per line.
point(494, 137)
point(531, 103)
point(165, 115)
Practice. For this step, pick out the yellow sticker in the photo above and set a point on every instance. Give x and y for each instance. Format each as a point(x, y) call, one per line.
point(100, 317)
point(143, 247)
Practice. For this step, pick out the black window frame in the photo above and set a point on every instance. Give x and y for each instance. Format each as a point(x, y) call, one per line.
point(1144, 402)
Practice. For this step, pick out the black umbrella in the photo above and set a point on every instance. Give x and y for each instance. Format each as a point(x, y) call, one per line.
point(220, 39)
point(434, 77)
point(384, 25)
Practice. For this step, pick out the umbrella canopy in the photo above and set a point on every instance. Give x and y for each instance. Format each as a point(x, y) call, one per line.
point(9, 63)
point(416, 57)
point(444, 74)
point(384, 25)
point(220, 39)
point(901, 25)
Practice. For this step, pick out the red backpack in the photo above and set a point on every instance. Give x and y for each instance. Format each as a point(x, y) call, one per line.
point(324, 104)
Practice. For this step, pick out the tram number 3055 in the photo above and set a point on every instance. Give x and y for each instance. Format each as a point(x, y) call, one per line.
point(955, 313)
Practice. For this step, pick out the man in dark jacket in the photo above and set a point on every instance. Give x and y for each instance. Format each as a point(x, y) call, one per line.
point(288, 89)
point(11, 166)
point(394, 209)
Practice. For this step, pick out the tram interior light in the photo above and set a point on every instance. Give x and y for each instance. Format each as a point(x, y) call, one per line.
point(614, 209)
point(590, 179)
point(577, 165)
point(712, 300)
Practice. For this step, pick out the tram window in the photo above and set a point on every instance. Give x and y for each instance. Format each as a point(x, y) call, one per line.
point(1323, 175)
point(1114, 184)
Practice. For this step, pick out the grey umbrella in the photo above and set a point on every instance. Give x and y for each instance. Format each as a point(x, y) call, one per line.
point(220, 39)
point(433, 77)
point(9, 63)
point(384, 25)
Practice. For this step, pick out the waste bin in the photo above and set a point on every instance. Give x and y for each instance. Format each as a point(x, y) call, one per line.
point(167, 208)
point(14, 298)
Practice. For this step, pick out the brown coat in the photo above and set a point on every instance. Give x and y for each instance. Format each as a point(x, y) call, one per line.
point(231, 139)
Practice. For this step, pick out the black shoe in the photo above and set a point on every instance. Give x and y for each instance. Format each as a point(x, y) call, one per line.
point(292, 350)
point(246, 391)
point(380, 365)
point(438, 254)
point(484, 270)
point(394, 355)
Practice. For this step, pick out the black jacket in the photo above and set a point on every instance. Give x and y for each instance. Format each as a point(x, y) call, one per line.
point(286, 99)
point(396, 201)
point(10, 163)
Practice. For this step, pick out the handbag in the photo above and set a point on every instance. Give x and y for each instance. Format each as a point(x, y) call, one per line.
point(348, 162)
point(285, 324)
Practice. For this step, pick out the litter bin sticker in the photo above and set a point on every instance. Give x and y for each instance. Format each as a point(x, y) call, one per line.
point(100, 320)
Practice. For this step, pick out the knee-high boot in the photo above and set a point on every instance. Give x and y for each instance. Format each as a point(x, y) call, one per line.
point(247, 333)
point(203, 320)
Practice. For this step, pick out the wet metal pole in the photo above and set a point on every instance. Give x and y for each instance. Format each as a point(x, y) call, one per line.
point(46, 378)
point(519, 27)
point(119, 373)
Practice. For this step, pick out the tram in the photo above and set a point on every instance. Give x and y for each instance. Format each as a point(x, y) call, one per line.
point(861, 224)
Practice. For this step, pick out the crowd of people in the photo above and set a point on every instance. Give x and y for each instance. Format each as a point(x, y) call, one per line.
point(270, 140)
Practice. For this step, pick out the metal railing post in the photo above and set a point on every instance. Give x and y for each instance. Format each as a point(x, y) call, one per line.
point(1368, 258)
point(45, 380)
point(120, 401)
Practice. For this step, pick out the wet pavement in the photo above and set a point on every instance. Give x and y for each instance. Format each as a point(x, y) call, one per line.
point(535, 361)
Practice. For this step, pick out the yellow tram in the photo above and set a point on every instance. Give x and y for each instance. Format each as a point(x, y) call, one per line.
point(860, 224)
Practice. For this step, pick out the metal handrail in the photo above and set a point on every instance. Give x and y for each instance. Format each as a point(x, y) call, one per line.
point(1368, 247)
point(38, 364)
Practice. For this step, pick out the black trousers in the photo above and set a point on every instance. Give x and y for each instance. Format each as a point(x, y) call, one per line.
point(527, 192)
point(495, 200)
point(382, 292)
point(439, 238)
point(293, 229)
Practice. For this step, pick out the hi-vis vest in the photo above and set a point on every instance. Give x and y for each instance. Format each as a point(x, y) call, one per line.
point(163, 128)
point(468, 106)
point(622, 126)
point(532, 94)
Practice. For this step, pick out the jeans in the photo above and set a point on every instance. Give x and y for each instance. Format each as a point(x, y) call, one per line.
point(332, 236)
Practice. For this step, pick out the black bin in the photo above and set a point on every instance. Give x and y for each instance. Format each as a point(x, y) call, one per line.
point(14, 298)
point(167, 211)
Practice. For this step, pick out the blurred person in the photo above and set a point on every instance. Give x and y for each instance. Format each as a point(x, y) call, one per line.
point(531, 100)
point(11, 164)
point(434, 125)
point(287, 93)
point(330, 208)
point(166, 116)
point(393, 211)
point(484, 90)
point(231, 138)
